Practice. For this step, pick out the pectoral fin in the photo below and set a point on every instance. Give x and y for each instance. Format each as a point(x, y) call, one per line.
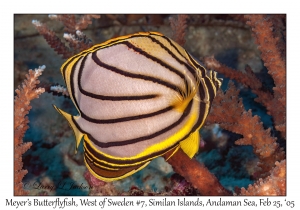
point(76, 130)
point(191, 145)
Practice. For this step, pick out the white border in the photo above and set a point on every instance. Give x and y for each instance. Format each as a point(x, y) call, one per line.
point(153, 6)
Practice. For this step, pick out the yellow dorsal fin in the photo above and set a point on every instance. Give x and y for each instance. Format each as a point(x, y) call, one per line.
point(78, 134)
point(191, 145)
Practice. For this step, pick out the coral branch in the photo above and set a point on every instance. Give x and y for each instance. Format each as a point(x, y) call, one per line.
point(77, 39)
point(52, 39)
point(275, 184)
point(179, 25)
point(78, 42)
point(55, 89)
point(25, 94)
point(69, 22)
point(271, 45)
point(61, 90)
point(228, 110)
point(262, 28)
point(272, 49)
point(196, 173)
point(249, 79)
point(85, 20)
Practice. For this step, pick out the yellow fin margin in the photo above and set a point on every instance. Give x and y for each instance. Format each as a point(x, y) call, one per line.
point(78, 134)
point(191, 145)
point(114, 178)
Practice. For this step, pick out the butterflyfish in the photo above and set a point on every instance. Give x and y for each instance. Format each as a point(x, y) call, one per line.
point(138, 97)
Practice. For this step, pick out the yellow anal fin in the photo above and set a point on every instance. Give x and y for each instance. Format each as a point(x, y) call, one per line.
point(78, 134)
point(191, 144)
point(171, 152)
point(112, 175)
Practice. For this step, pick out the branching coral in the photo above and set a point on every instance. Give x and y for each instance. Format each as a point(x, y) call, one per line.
point(271, 44)
point(52, 39)
point(56, 89)
point(76, 38)
point(227, 109)
point(25, 94)
point(248, 79)
point(275, 184)
point(197, 174)
point(179, 25)
point(70, 23)
point(229, 112)
point(272, 48)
